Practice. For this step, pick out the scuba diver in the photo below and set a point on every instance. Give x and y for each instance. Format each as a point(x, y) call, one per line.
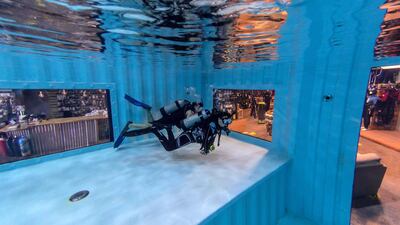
point(196, 125)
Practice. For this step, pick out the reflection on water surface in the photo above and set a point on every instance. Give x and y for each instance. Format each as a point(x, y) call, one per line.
point(234, 31)
point(388, 43)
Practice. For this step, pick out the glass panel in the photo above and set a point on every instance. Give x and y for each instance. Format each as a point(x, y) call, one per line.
point(41, 122)
point(381, 108)
point(253, 110)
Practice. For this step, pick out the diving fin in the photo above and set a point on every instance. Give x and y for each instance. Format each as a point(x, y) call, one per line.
point(137, 103)
point(139, 125)
point(121, 136)
point(143, 105)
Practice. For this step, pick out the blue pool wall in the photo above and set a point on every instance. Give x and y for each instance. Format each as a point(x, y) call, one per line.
point(326, 49)
point(155, 78)
point(336, 62)
point(331, 54)
point(263, 203)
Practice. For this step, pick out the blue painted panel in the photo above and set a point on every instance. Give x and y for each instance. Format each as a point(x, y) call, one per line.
point(126, 75)
point(260, 204)
point(332, 54)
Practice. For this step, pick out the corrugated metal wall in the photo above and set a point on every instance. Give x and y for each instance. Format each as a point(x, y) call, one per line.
point(156, 78)
point(263, 203)
point(330, 52)
point(337, 63)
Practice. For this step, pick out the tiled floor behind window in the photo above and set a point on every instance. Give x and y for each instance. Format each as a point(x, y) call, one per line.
point(388, 211)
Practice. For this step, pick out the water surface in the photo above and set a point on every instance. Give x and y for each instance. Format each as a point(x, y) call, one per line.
point(229, 31)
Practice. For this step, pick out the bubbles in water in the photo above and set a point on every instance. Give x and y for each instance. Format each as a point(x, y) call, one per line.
point(192, 95)
point(190, 91)
point(212, 88)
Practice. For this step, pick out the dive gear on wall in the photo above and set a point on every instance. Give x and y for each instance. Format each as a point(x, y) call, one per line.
point(195, 124)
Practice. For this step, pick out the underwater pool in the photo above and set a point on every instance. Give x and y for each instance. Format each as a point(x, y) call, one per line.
point(138, 184)
point(154, 51)
point(316, 56)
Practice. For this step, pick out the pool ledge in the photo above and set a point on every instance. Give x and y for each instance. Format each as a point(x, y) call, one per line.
point(138, 184)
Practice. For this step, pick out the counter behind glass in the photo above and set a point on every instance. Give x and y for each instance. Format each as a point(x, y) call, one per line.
point(41, 122)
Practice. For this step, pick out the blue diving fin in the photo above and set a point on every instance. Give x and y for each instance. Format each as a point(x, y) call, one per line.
point(121, 136)
point(136, 102)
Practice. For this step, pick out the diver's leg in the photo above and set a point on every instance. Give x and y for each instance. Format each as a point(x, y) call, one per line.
point(184, 138)
point(209, 138)
point(171, 135)
point(138, 132)
point(131, 133)
point(169, 144)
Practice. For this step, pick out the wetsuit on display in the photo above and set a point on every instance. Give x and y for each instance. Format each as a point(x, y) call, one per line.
point(253, 107)
point(366, 115)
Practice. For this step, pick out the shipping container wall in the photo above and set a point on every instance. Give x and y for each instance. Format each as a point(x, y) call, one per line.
point(320, 79)
point(153, 77)
point(263, 203)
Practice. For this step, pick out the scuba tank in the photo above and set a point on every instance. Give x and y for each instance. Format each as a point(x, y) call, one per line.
point(24, 146)
point(170, 109)
point(195, 119)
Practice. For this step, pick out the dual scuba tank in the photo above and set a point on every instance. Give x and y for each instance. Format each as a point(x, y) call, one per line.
point(177, 111)
point(171, 110)
point(197, 118)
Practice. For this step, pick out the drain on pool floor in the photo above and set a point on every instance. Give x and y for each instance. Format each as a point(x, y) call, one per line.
point(79, 196)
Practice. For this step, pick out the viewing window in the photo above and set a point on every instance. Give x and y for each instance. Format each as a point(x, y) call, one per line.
point(253, 110)
point(41, 122)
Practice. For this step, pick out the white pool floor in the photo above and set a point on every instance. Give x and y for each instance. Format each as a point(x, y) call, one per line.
point(139, 184)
